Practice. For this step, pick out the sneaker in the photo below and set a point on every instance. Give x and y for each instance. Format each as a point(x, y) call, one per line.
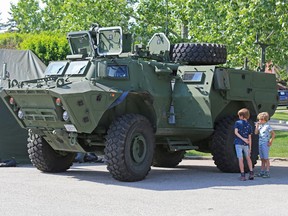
point(251, 175)
point(260, 174)
point(242, 177)
point(266, 175)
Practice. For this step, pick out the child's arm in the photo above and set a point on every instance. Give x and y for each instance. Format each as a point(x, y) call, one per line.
point(256, 131)
point(238, 135)
point(272, 137)
point(250, 141)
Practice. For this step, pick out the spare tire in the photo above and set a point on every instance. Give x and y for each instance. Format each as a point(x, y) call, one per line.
point(199, 54)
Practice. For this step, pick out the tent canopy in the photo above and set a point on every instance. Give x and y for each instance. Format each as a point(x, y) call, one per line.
point(21, 65)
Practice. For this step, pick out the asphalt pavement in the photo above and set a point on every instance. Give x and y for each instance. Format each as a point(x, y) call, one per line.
point(195, 187)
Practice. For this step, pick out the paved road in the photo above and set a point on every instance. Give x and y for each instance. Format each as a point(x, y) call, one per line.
point(279, 125)
point(195, 187)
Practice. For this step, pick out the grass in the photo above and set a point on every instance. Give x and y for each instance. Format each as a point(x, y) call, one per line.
point(278, 149)
point(196, 153)
point(281, 114)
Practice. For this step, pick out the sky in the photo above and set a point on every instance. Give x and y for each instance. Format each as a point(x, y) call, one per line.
point(5, 8)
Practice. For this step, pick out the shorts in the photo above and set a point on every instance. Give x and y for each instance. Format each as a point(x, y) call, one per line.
point(240, 149)
point(264, 150)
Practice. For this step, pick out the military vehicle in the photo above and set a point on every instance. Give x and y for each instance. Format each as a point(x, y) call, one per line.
point(141, 106)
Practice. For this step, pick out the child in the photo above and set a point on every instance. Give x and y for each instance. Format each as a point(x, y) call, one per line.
point(243, 132)
point(266, 137)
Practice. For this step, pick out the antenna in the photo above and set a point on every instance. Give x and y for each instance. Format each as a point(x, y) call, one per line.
point(263, 47)
point(166, 23)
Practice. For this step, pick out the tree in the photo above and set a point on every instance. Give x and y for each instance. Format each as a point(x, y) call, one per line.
point(231, 22)
point(27, 15)
point(103, 12)
point(70, 15)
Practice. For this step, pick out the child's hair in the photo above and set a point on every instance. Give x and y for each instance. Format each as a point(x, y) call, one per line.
point(263, 115)
point(244, 113)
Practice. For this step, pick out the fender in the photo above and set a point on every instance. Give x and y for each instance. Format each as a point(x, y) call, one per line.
point(119, 100)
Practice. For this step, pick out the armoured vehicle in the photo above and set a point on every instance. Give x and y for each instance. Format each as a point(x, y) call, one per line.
point(140, 106)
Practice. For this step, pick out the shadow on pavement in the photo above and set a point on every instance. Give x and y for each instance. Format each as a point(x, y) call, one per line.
point(183, 177)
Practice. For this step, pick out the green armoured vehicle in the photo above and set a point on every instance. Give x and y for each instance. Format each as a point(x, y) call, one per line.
point(142, 107)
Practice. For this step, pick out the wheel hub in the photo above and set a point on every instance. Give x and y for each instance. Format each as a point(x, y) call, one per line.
point(138, 148)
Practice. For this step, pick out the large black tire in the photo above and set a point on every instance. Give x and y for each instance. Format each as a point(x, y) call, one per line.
point(46, 159)
point(199, 54)
point(223, 148)
point(129, 148)
point(165, 158)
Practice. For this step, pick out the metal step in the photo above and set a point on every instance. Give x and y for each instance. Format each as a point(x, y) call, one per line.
point(176, 144)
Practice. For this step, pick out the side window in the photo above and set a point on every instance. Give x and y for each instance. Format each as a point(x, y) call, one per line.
point(117, 71)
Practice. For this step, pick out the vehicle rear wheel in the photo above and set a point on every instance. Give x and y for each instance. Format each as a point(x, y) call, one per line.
point(45, 158)
point(223, 149)
point(129, 148)
point(199, 54)
point(165, 158)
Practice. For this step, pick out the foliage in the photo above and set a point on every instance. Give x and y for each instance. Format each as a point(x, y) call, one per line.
point(283, 73)
point(47, 45)
point(70, 15)
point(234, 23)
point(27, 15)
point(10, 40)
point(231, 22)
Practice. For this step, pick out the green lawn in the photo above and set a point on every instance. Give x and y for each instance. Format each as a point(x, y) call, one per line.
point(278, 149)
point(281, 113)
point(280, 116)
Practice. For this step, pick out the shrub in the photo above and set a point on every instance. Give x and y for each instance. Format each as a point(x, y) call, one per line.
point(47, 46)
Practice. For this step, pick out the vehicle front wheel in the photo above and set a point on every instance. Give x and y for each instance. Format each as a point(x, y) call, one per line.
point(129, 148)
point(45, 158)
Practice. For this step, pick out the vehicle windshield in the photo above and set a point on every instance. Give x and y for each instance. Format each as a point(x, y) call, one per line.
point(56, 68)
point(110, 41)
point(80, 44)
point(77, 67)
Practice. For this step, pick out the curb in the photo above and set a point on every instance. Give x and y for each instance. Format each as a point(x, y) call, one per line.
point(198, 157)
point(210, 158)
point(276, 121)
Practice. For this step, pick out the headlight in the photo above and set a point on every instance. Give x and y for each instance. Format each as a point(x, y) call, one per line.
point(65, 116)
point(20, 114)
